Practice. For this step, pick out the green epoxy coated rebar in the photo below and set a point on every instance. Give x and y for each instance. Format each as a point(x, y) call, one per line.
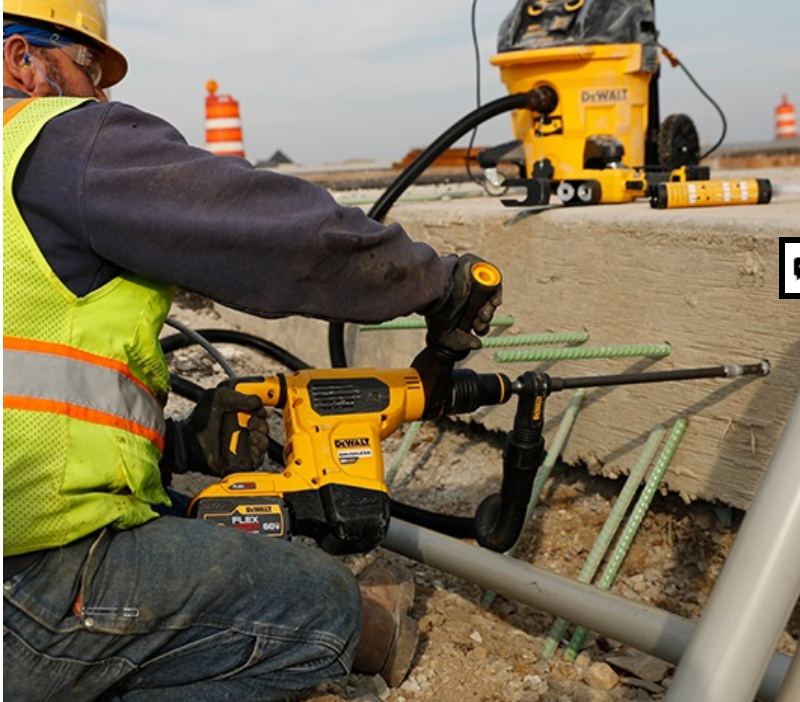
point(632, 526)
point(567, 354)
point(419, 323)
point(536, 339)
point(606, 535)
point(543, 474)
point(402, 451)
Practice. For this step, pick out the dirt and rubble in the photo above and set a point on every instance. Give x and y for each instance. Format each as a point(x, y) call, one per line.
point(470, 653)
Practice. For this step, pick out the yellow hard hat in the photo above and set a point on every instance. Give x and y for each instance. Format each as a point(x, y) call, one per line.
point(85, 17)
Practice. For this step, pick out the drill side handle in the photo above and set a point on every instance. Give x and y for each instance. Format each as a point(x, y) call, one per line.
point(435, 363)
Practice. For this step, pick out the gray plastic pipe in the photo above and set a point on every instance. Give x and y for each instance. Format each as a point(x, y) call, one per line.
point(640, 626)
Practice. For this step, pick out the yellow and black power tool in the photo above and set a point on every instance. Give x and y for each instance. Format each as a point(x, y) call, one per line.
point(332, 486)
point(604, 142)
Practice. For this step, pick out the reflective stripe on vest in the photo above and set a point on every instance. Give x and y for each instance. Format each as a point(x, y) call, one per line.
point(47, 377)
point(13, 105)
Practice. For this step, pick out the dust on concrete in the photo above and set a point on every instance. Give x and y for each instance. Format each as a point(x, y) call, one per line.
point(468, 652)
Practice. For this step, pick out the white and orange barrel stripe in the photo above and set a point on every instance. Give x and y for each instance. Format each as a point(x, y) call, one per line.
point(223, 124)
point(785, 120)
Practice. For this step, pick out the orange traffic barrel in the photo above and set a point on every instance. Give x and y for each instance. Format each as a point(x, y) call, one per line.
point(223, 124)
point(785, 120)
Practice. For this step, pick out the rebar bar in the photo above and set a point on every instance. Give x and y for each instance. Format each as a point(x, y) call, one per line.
point(536, 339)
point(632, 527)
point(419, 323)
point(405, 445)
point(606, 535)
point(570, 353)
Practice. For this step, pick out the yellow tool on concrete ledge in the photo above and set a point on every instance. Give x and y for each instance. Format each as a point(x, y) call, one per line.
point(710, 193)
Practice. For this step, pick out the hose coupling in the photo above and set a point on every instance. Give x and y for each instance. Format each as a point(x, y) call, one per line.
point(543, 99)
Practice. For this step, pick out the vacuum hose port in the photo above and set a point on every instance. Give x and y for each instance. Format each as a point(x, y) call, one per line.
point(543, 99)
point(501, 517)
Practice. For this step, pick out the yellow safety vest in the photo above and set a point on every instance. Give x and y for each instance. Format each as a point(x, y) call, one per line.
point(84, 381)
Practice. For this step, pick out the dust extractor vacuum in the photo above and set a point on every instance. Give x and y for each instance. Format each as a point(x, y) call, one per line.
point(582, 77)
point(603, 141)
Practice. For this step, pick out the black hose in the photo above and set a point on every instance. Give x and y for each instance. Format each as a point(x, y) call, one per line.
point(476, 47)
point(540, 100)
point(185, 388)
point(336, 345)
point(676, 62)
point(498, 525)
point(501, 517)
point(716, 106)
point(229, 336)
point(457, 527)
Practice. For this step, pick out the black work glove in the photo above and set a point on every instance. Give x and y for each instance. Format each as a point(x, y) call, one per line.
point(446, 318)
point(202, 442)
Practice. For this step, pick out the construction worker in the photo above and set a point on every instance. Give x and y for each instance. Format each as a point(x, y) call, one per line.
point(106, 208)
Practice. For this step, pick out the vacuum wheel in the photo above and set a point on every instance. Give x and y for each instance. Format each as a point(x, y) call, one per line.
point(678, 142)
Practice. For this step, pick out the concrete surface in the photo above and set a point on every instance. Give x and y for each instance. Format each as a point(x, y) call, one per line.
point(704, 280)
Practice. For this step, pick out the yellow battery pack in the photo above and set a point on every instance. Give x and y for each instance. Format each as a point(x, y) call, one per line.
point(251, 513)
point(711, 193)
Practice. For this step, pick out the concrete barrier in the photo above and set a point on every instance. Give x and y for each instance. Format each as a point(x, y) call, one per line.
point(704, 280)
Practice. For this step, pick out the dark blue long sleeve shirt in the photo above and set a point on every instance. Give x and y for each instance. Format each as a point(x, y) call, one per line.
point(107, 187)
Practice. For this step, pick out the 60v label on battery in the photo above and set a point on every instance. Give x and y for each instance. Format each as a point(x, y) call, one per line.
point(266, 517)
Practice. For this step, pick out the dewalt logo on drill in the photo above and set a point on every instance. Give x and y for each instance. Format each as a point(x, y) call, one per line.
point(351, 443)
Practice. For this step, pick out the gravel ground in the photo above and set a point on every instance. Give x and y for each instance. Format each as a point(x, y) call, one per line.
point(468, 652)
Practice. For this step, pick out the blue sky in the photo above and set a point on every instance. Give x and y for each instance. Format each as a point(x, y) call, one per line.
point(330, 81)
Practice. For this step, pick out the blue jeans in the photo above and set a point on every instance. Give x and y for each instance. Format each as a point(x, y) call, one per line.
point(177, 610)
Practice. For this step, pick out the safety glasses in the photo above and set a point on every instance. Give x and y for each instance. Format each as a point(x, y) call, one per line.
point(89, 60)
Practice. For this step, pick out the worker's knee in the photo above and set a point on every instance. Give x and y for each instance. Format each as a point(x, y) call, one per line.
point(222, 574)
point(335, 604)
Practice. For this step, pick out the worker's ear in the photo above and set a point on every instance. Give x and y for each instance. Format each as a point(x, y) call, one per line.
point(17, 62)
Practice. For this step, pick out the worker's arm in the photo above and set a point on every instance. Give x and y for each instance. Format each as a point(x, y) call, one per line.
point(129, 193)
